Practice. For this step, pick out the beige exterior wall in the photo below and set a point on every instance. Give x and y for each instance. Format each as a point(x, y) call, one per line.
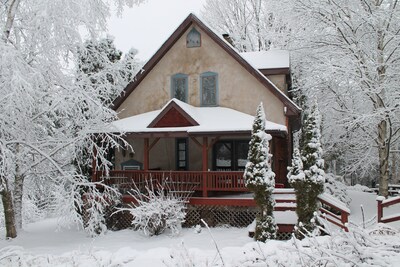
point(238, 89)
point(280, 81)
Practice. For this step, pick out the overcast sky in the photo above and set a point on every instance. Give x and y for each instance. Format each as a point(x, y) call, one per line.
point(147, 26)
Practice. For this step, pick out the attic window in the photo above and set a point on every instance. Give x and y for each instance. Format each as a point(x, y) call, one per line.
point(193, 39)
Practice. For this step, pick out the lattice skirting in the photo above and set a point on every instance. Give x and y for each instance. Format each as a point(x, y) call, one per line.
point(220, 215)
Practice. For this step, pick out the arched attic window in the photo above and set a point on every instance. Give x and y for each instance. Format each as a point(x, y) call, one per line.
point(193, 38)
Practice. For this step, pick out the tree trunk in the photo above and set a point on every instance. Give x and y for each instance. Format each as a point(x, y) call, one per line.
point(18, 191)
point(6, 197)
point(383, 159)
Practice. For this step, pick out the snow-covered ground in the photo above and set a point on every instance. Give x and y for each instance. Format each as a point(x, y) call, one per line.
point(43, 244)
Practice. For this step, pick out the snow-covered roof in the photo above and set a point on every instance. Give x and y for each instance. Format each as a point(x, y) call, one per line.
point(210, 119)
point(271, 59)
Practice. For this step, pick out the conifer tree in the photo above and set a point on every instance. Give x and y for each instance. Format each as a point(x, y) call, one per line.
point(260, 179)
point(306, 174)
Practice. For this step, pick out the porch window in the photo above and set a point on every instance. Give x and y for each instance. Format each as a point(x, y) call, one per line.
point(230, 155)
point(181, 154)
point(179, 86)
point(209, 89)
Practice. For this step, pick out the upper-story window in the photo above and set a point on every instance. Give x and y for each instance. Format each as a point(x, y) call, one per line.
point(193, 39)
point(179, 86)
point(209, 89)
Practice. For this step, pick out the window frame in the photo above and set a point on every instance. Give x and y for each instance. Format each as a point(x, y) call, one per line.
point(186, 151)
point(209, 74)
point(173, 79)
point(234, 153)
point(193, 32)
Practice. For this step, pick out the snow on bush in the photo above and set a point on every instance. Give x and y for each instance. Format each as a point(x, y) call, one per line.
point(156, 210)
point(358, 247)
point(334, 186)
point(91, 200)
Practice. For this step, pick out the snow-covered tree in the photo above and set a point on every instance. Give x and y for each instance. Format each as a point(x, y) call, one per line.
point(41, 103)
point(347, 56)
point(250, 23)
point(295, 171)
point(306, 174)
point(103, 64)
point(311, 148)
point(130, 65)
point(260, 178)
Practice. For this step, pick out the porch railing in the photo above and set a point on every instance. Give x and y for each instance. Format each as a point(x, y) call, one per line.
point(227, 181)
point(231, 181)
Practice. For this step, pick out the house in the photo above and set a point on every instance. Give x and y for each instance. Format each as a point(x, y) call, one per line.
point(192, 106)
point(188, 116)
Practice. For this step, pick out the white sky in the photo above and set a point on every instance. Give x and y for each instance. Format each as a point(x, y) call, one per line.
point(146, 27)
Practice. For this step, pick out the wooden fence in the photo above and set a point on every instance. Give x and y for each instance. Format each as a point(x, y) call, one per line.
point(385, 203)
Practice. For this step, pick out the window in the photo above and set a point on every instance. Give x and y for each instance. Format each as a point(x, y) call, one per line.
point(181, 154)
point(179, 86)
point(193, 39)
point(223, 156)
point(209, 88)
point(230, 155)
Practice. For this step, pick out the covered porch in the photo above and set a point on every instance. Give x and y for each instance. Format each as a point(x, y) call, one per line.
point(202, 148)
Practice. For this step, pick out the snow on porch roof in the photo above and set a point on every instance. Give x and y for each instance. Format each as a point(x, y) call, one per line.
point(210, 120)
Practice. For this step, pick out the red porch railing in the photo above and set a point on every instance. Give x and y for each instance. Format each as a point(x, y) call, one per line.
point(384, 203)
point(194, 180)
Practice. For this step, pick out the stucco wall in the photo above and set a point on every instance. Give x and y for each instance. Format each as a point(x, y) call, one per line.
point(238, 89)
point(280, 81)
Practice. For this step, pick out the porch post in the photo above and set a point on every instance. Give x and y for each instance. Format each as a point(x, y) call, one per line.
point(146, 154)
point(205, 165)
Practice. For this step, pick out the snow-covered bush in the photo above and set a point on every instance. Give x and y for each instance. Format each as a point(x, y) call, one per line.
point(91, 204)
point(334, 186)
point(156, 210)
point(260, 178)
point(358, 247)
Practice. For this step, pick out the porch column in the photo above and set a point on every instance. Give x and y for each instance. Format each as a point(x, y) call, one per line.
point(205, 165)
point(146, 154)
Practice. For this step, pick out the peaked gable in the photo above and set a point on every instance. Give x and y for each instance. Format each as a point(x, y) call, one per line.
point(172, 115)
point(292, 108)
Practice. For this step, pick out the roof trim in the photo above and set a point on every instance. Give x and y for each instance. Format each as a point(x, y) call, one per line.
point(293, 109)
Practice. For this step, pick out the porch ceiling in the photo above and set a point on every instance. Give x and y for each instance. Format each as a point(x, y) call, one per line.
point(211, 121)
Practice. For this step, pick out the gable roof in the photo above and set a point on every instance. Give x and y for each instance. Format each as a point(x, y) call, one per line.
point(292, 108)
point(225, 121)
point(173, 115)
